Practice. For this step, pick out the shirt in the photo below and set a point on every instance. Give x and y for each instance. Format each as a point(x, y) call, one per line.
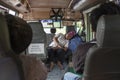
point(61, 39)
point(53, 44)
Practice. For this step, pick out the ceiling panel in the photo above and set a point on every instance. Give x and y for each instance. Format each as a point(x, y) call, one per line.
point(49, 3)
point(40, 9)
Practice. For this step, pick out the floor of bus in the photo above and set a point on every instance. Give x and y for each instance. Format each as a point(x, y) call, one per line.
point(56, 73)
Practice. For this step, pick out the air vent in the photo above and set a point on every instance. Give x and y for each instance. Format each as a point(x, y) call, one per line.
point(18, 5)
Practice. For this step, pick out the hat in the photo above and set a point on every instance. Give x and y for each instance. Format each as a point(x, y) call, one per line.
point(71, 33)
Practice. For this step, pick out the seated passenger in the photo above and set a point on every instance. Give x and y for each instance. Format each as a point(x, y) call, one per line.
point(74, 41)
point(20, 37)
point(80, 55)
point(57, 50)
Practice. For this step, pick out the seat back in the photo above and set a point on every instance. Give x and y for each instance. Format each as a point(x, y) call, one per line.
point(8, 68)
point(39, 39)
point(102, 60)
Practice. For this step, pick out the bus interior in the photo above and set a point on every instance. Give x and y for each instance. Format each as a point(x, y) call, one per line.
point(49, 17)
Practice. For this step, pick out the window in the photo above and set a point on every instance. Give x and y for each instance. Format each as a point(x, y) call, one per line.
point(11, 12)
point(61, 30)
point(51, 23)
point(3, 9)
point(57, 24)
point(79, 26)
point(47, 23)
point(58, 30)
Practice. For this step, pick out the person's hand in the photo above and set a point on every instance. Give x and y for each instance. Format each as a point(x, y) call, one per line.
point(55, 48)
point(65, 49)
point(59, 46)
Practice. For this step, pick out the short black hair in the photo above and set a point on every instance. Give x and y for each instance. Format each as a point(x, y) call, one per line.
point(109, 8)
point(20, 33)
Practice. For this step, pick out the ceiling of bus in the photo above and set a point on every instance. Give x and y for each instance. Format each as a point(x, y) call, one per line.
point(49, 3)
point(40, 9)
point(85, 4)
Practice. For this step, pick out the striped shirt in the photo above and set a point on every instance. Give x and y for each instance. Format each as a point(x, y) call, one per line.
point(61, 39)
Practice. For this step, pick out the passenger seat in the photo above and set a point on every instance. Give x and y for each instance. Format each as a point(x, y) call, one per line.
point(8, 68)
point(103, 60)
point(40, 38)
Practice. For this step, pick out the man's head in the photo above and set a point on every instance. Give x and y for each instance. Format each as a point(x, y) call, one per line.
point(69, 35)
point(104, 9)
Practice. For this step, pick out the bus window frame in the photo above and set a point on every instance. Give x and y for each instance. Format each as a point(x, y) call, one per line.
point(88, 30)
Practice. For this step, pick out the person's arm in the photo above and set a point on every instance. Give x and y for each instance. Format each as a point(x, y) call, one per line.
point(55, 39)
point(66, 46)
point(57, 42)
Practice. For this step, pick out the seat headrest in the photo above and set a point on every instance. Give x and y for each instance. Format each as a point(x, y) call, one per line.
point(38, 24)
point(4, 35)
point(20, 33)
point(108, 31)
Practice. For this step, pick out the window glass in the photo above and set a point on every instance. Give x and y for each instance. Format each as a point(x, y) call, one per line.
point(79, 26)
point(11, 12)
point(3, 9)
point(58, 30)
point(61, 30)
point(51, 23)
point(47, 23)
point(57, 24)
